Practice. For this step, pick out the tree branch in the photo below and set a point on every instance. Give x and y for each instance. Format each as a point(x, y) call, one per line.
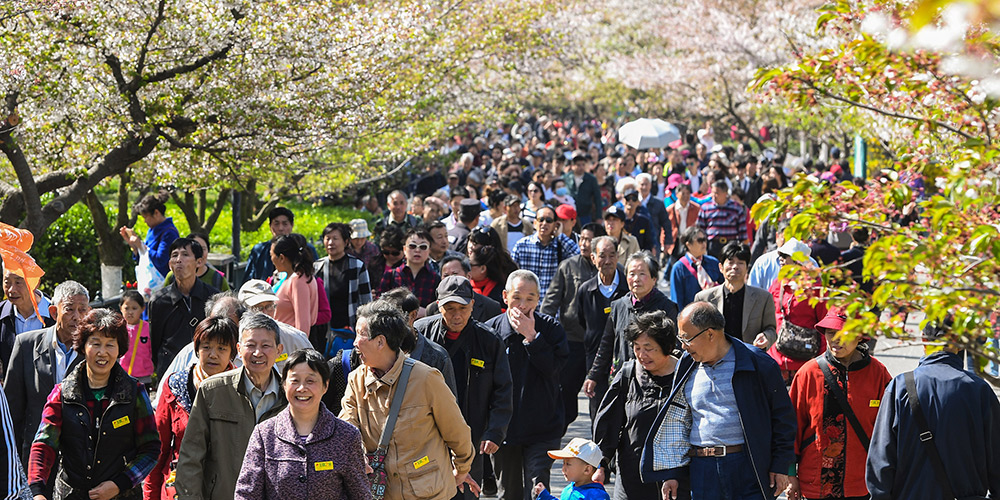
point(141, 64)
point(188, 68)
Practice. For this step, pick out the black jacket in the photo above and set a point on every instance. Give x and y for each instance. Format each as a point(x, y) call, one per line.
point(484, 381)
point(560, 297)
point(483, 309)
point(595, 308)
point(640, 227)
point(8, 331)
point(660, 221)
point(433, 355)
point(88, 461)
point(171, 322)
point(534, 369)
point(627, 412)
point(614, 349)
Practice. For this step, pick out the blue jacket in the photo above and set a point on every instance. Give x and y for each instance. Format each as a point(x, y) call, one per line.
point(967, 435)
point(591, 491)
point(684, 285)
point(534, 369)
point(765, 410)
point(158, 241)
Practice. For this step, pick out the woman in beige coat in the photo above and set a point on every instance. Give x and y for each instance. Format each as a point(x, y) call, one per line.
point(430, 452)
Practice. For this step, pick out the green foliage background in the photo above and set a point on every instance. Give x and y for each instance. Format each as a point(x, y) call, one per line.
point(69, 248)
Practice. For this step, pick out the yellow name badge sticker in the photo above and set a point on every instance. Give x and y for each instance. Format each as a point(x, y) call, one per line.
point(642, 231)
point(120, 422)
point(607, 310)
point(328, 465)
point(478, 363)
point(281, 358)
point(422, 462)
point(874, 403)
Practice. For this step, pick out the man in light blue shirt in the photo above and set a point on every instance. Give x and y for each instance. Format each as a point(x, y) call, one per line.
point(765, 269)
point(18, 315)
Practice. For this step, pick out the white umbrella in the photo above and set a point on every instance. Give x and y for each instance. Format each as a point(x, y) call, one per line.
point(646, 133)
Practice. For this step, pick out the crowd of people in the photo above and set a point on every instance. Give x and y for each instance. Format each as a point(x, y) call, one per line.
point(440, 352)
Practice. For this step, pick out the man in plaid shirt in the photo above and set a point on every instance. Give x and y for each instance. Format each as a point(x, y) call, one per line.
point(414, 273)
point(542, 252)
point(723, 220)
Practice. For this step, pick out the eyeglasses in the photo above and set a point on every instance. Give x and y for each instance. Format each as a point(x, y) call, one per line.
point(545, 220)
point(687, 342)
point(392, 252)
point(421, 247)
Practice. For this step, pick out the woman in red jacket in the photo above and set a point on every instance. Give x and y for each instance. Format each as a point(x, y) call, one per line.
point(215, 345)
point(831, 451)
point(796, 310)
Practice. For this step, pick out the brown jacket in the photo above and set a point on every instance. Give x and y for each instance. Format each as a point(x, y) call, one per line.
point(627, 246)
point(500, 224)
point(418, 464)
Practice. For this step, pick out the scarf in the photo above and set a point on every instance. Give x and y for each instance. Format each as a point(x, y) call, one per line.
point(200, 375)
point(704, 280)
point(483, 287)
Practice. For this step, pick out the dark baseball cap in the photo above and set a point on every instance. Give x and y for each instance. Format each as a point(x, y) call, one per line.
point(614, 211)
point(455, 289)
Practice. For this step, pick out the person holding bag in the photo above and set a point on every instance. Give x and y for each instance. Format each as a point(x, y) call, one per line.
point(836, 397)
point(432, 453)
point(798, 339)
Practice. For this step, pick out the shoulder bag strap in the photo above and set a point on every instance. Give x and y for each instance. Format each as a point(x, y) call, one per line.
point(687, 264)
point(345, 362)
point(135, 347)
point(397, 401)
point(926, 436)
point(831, 381)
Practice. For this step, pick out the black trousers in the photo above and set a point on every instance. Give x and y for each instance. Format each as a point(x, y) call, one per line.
point(520, 467)
point(715, 246)
point(599, 391)
point(477, 475)
point(571, 381)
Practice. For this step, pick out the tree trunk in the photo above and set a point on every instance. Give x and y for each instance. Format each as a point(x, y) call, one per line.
point(194, 207)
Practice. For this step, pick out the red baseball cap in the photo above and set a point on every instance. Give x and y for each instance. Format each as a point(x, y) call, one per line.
point(565, 212)
point(834, 320)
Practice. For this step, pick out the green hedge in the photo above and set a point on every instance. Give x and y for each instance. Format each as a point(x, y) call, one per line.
point(69, 248)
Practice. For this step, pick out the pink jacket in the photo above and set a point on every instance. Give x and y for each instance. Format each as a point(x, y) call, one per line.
point(142, 366)
point(298, 302)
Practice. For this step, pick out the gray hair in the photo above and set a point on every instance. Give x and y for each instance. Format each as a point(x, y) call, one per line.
point(400, 193)
point(253, 320)
point(67, 289)
point(646, 258)
point(643, 175)
point(624, 184)
point(597, 241)
point(703, 315)
point(522, 274)
point(228, 300)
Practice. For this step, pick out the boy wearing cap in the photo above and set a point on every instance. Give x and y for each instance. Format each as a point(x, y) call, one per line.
point(581, 459)
point(614, 225)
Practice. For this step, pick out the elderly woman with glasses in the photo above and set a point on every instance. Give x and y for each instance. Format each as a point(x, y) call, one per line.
point(696, 270)
point(414, 273)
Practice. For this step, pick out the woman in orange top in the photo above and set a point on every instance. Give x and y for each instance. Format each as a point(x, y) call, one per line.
point(298, 297)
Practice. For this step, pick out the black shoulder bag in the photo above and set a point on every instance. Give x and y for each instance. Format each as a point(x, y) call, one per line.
point(379, 478)
point(838, 393)
point(926, 436)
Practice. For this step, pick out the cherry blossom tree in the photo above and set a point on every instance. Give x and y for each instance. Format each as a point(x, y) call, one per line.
point(212, 93)
point(922, 76)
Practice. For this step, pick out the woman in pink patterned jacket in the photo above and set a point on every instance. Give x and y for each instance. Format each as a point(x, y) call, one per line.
point(304, 452)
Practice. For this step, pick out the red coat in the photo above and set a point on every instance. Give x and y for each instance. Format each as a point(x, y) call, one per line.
point(675, 225)
point(171, 419)
point(865, 386)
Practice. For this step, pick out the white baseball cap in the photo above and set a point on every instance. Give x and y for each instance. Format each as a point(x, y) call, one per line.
point(254, 292)
point(581, 448)
point(792, 246)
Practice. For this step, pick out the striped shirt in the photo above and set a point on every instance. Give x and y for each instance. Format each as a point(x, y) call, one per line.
point(714, 413)
point(17, 483)
point(728, 221)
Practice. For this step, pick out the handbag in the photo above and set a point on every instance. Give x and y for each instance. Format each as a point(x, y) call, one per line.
point(379, 478)
point(794, 341)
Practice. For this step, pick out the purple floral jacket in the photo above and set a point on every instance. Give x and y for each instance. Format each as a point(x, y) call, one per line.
point(330, 464)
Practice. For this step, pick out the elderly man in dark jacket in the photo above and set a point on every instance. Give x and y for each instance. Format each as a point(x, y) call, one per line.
point(728, 423)
point(480, 363)
point(962, 415)
point(537, 350)
point(560, 301)
point(641, 271)
point(594, 300)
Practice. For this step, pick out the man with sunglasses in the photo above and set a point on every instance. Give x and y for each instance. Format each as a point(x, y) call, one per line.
point(728, 423)
point(637, 221)
point(542, 252)
point(414, 273)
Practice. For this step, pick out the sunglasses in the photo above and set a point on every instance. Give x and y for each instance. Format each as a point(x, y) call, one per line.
point(392, 253)
point(700, 240)
point(545, 220)
point(421, 247)
point(632, 197)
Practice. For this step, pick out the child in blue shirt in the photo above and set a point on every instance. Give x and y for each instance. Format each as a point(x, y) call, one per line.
point(581, 459)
